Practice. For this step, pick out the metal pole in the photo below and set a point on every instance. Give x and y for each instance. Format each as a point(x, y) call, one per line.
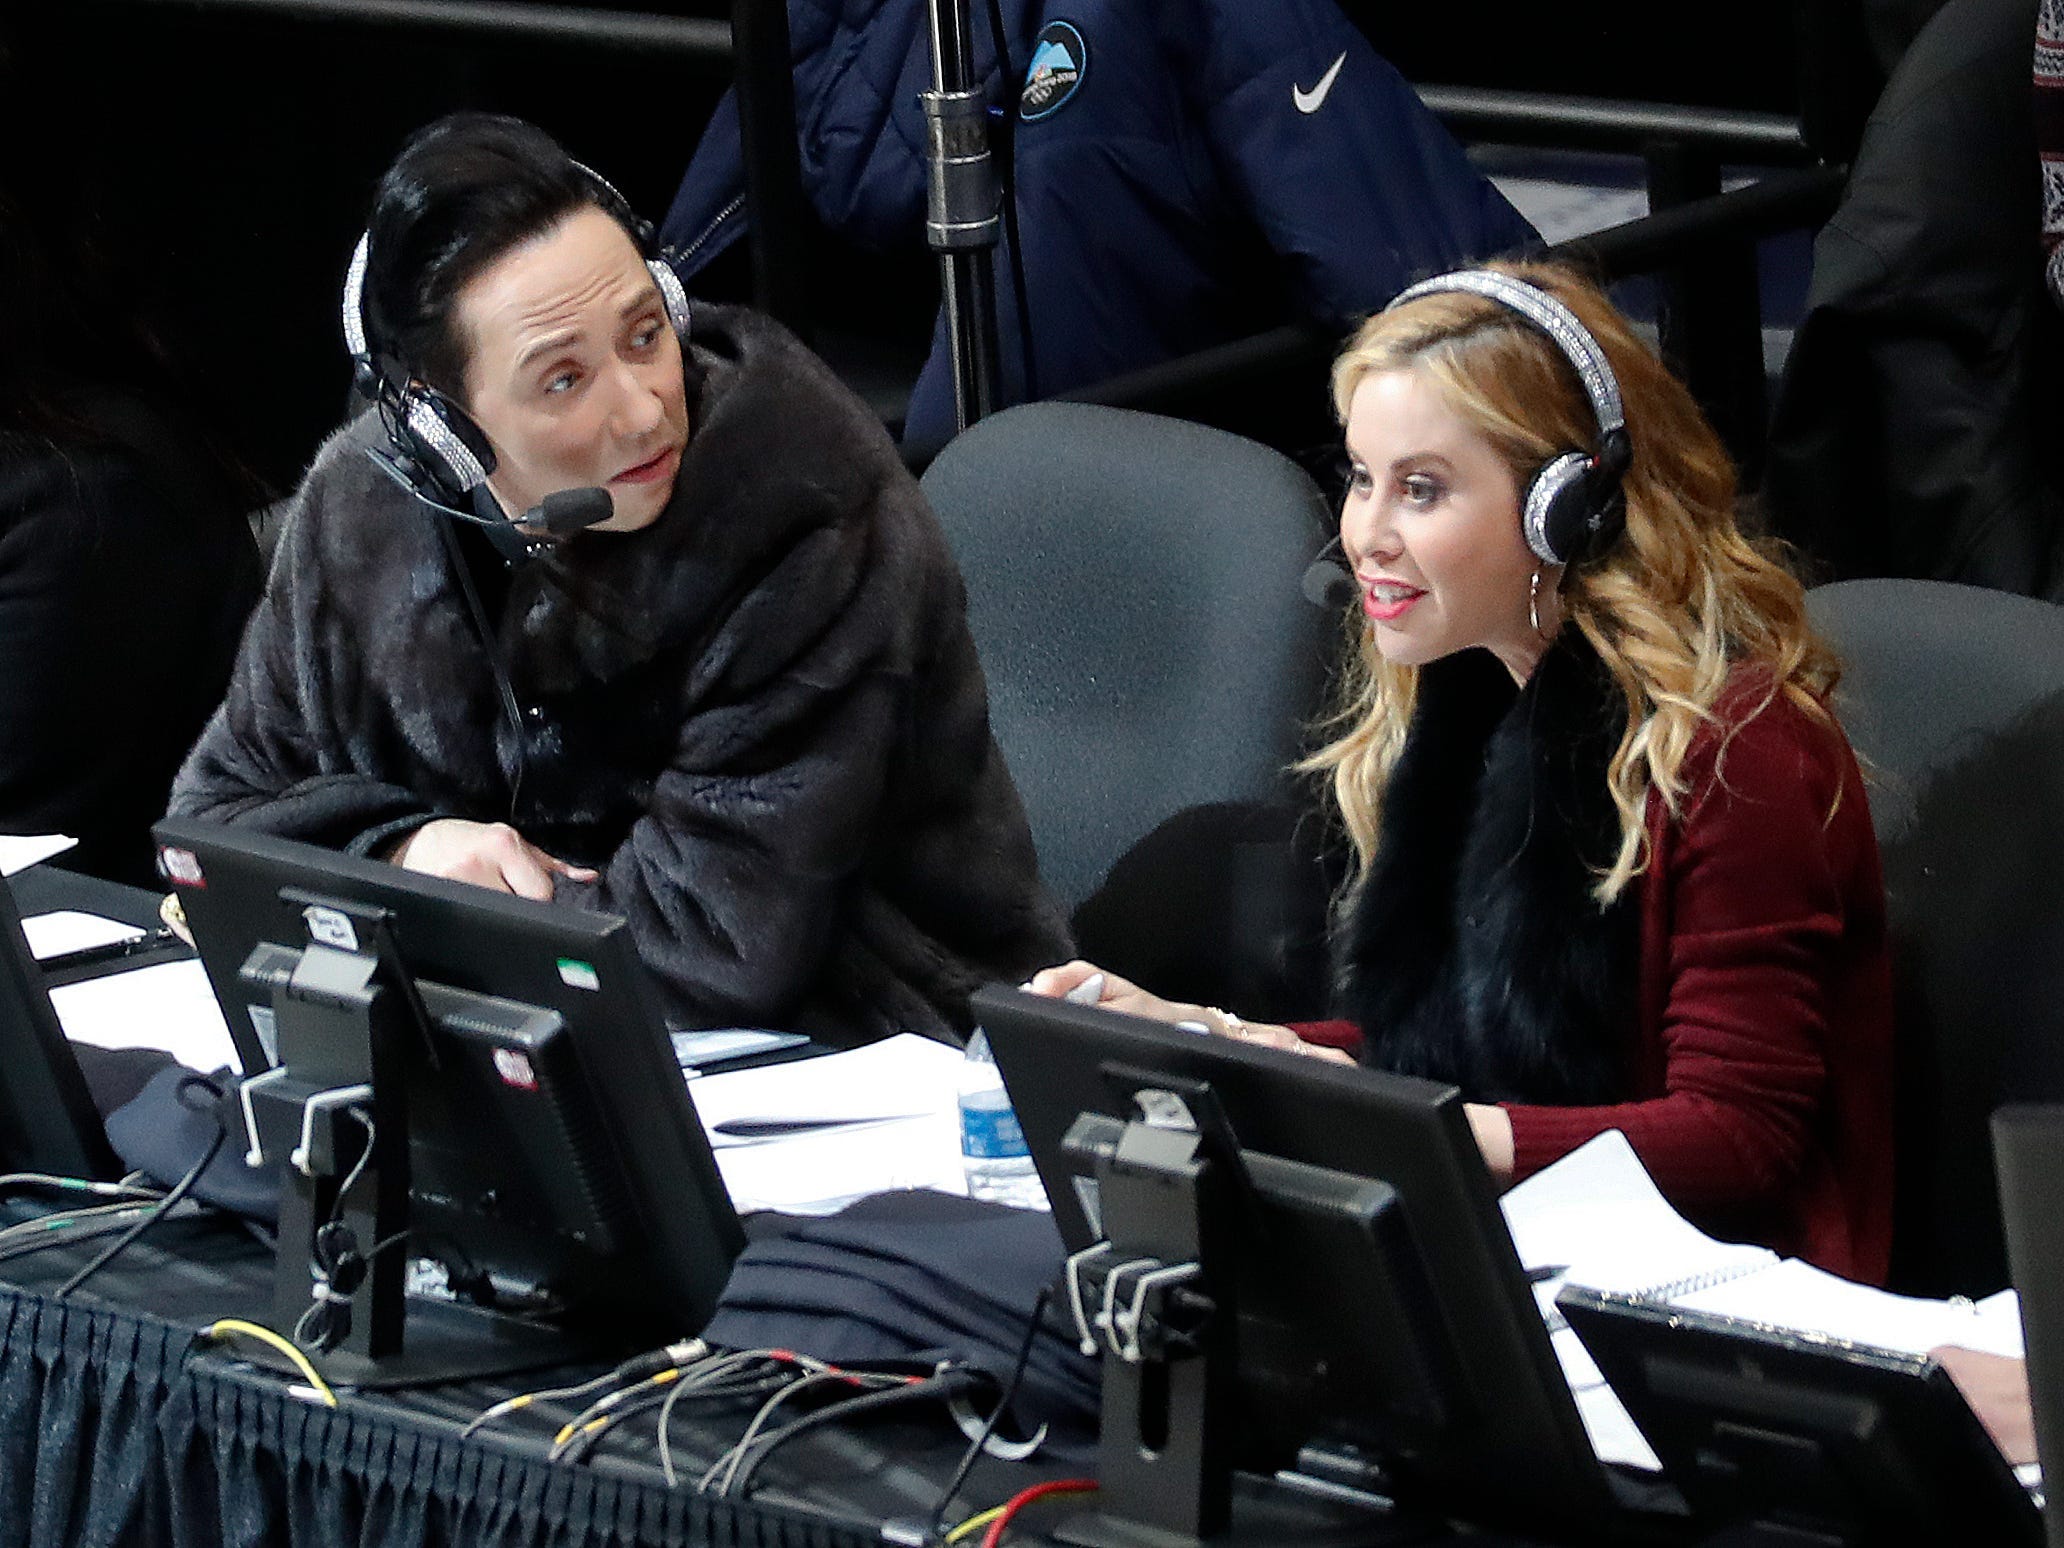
point(1711, 313)
point(963, 213)
point(764, 79)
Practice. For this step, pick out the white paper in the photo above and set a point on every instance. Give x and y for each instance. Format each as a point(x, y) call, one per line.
point(823, 1171)
point(1612, 1431)
point(18, 851)
point(1598, 1214)
point(893, 1078)
point(820, 1171)
point(695, 1051)
point(51, 935)
point(2000, 1314)
point(168, 1005)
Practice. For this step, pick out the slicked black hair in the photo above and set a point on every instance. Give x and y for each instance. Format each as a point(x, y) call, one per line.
point(462, 192)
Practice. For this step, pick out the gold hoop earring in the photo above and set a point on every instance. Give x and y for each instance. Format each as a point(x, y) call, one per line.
point(1533, 600)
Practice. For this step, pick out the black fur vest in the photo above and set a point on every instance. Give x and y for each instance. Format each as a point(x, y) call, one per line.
point(1472, 950)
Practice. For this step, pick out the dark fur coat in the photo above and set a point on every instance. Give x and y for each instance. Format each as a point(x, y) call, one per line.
point(1472, 949)
point(761, 718)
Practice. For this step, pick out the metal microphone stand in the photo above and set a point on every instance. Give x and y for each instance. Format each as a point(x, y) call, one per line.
point(963, 212)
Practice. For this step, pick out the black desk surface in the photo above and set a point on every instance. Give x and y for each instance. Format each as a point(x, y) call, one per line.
point(43, 888)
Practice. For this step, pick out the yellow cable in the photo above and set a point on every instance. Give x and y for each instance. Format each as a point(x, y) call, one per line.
point(973, 1524)
point(604, 1407)
point(265, 1335)
point(571, 1432)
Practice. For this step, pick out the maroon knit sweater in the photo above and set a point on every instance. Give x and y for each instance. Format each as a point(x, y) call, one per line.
point(1762, 1064)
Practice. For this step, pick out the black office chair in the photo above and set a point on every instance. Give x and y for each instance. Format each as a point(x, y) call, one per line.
point(1133, 585)
point(1954, 699)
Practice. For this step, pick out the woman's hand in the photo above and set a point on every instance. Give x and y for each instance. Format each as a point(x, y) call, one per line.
point(1492, 1127)
point(1266, 1034)
point(487, 854)
point(1119, 994)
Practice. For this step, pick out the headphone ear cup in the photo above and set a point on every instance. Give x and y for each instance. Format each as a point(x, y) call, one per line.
point(1556, 513)
point(441, 438)
point(672, 295)
point(1605, 503)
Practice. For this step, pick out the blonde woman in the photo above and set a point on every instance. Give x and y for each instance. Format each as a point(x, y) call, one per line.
point(1617, 869)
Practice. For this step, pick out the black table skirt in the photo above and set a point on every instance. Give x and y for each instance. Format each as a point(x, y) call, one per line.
point(112, 1432)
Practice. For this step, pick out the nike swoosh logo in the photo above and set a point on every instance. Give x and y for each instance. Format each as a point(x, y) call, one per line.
point(1311, 101)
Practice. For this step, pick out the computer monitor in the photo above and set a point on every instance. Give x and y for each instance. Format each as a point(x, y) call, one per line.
point(553, 1164)
point(2028, 1144)
point(1781, 1437)
point(48, 1122)
point(1380, 1307)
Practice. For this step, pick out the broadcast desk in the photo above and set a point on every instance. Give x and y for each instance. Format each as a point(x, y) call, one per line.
point(118, 1425)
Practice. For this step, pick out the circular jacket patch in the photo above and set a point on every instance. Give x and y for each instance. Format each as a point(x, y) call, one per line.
point(1059, 61)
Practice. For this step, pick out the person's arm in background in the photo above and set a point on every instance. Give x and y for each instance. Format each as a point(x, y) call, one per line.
point(1114, 993)
point(1351, 179)
point(1996, 1387)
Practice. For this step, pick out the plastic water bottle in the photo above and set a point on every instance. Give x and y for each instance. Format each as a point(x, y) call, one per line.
point(992, 1146)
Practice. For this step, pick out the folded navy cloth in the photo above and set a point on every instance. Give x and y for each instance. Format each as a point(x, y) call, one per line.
point(167, 1127)
point(914, 1275)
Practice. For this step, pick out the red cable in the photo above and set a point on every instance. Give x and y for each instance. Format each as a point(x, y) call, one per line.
point(1018, 1502)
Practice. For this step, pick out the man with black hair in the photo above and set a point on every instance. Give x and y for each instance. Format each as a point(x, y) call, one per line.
point(742, 709)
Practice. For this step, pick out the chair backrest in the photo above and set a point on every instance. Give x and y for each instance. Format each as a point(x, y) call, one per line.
point(1134, 591)
point(1954, 699)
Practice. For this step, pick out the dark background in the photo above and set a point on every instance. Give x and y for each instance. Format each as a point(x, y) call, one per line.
point(226, 155)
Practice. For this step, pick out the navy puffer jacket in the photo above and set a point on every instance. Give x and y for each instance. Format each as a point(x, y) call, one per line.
point(1189, 171)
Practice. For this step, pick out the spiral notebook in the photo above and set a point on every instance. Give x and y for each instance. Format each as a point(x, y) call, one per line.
point(1596, 1219)
point(1599, 1216)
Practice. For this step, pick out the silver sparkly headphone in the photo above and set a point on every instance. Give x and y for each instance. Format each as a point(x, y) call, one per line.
point(429, 433)
point(1574, 506)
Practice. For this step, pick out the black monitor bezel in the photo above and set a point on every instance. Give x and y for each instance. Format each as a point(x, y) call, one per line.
point(48, 1120)
point(1526, 1457)
point(2028, 1148)
point(1696, 1383)
point(474, 939)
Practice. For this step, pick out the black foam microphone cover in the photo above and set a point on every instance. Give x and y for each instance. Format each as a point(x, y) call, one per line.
point(1328, 584)
point(570, 510)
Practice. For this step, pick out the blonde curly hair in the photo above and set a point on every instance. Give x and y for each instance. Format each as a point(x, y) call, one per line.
point(1670, 608)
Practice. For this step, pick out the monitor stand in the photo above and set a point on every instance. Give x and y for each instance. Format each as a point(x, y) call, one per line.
point(1164, 1333)
point(334, 1112)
